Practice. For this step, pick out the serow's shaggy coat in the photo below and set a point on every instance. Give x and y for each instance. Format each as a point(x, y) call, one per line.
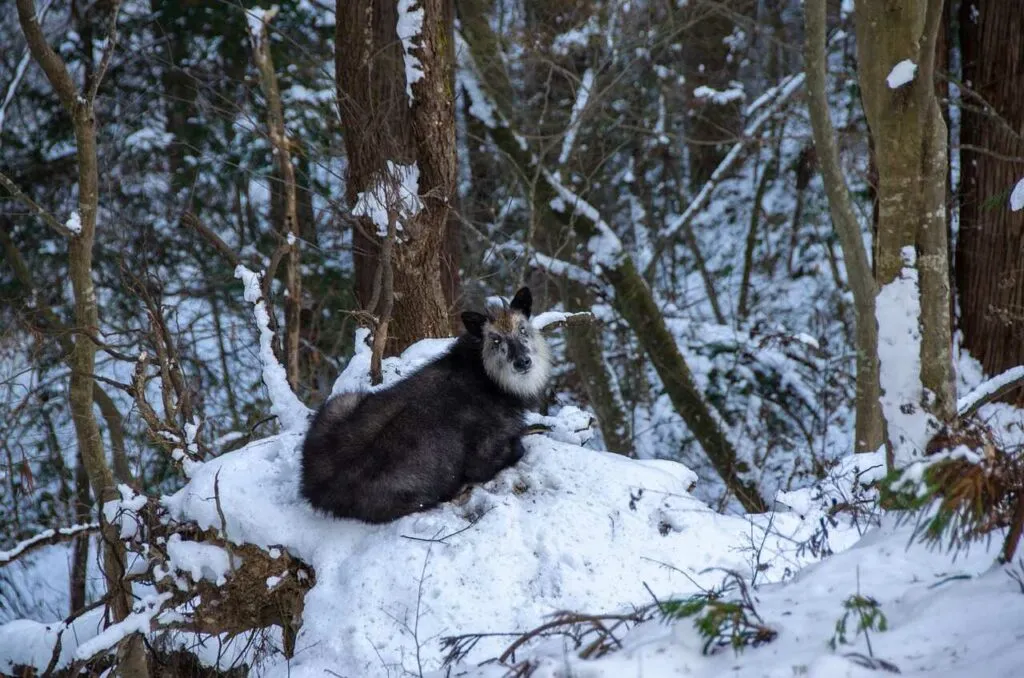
point(381, 455)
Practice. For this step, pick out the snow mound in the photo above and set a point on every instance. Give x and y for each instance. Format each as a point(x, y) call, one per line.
point(567, 528)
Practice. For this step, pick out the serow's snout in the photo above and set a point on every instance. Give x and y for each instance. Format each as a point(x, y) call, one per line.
point(522, 363)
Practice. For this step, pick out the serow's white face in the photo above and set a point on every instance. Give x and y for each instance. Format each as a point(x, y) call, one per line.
point(515, 354)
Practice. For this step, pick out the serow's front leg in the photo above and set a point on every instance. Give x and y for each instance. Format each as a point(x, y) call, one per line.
point(515, 451)
point(484, 465)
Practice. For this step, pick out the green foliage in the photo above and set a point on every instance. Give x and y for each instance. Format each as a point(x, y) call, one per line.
point(724, 616)
point(963, 490)
point(869, 617)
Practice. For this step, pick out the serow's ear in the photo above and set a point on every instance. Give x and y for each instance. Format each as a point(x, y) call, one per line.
point(523, 301)
point(474, 323)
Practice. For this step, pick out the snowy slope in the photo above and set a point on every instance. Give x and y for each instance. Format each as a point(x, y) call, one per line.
point(574, 529)
point(945, 619)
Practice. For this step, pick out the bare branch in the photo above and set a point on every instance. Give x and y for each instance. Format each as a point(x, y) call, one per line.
point(108, 52)
point(196, 224)
point(36, 208)
point(19, 72)
point(51, 63)
point(47, 538)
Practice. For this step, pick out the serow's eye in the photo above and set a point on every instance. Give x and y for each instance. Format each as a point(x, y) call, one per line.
point(496, 341)
point(522, 330)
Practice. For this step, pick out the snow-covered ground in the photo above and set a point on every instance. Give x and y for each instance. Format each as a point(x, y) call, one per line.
point(573, 529)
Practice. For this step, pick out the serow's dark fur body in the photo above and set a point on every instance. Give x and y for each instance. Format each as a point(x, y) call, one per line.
point(459, 419)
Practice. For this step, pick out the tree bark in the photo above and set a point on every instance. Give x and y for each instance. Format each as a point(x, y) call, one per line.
point(990, 247)
point(384, 128)
point(82, 361)
point(869, 429)
point(910, 143)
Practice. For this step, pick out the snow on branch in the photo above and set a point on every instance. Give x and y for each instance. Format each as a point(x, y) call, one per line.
point(45, 538)
point(604, 245)
point(140, 621)
point(556, 267)
point(781, 94)
point(582, 96)
point(989, 390)
point(258, 20)
point(284, 404)
point(551, 320)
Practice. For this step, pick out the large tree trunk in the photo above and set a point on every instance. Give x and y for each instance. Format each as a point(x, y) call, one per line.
point(910, 143)
point(990, 249)
point(386, 131)
point(869, 430)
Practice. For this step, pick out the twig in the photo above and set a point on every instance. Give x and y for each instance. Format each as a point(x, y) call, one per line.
point(441, 540)
point(568, 619)
point(108, 52)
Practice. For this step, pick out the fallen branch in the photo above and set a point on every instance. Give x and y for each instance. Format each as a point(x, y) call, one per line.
point(46, 538)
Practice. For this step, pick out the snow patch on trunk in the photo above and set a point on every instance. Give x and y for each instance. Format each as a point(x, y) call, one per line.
point(397, 191)
point(901, 74)
point(410, 25)
point(898, 312)
point(74, 223)
point(1017, 197)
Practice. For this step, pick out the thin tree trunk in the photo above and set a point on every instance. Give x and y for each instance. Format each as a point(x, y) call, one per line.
point(869, 429)
point(82, 361)
point(990, 247)
point(387, 132)
point(289, 231)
